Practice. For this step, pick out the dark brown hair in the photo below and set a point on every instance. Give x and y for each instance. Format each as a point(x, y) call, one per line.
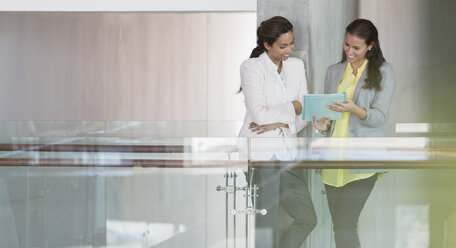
point(269, 31)
point(366, 30)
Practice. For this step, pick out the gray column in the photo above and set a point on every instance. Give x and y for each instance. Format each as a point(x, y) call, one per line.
point(319, 29)
point(297, 12)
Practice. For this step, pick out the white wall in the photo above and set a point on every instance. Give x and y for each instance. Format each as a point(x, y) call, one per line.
point(123, 66)
point(132, 5)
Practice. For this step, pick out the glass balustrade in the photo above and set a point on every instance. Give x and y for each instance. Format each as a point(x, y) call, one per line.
point(103, 184)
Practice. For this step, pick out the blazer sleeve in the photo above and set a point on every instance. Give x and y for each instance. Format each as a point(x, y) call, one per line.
point(328, 79)
point(378, 111)
point(300, 123)
point(252, 80)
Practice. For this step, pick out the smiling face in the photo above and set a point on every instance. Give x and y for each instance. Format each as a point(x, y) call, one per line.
point(281, 48)
point(355, 49)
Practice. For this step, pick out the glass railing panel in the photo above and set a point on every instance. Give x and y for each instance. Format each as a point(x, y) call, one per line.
point(409, 204)
point(143, 192)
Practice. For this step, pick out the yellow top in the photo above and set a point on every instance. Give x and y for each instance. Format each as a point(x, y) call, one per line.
point(341, 177)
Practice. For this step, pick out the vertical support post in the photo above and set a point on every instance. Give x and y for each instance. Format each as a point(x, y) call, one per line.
point(247, 195)
point(226, 210)
point(233, 174)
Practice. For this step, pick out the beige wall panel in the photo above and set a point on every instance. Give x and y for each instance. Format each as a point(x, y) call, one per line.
point(231, 38)
point(101, 66)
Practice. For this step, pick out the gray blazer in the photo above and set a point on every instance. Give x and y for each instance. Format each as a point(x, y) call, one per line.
point(375, 102)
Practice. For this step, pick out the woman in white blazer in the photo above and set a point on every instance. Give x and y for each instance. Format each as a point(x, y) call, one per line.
point(273, 84)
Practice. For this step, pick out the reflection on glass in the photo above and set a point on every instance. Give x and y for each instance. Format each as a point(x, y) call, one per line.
point(162, 192)
point(140, 234)
point(413, 222)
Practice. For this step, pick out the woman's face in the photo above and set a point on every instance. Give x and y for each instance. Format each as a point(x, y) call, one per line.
point(281, 48)
point(355, 49)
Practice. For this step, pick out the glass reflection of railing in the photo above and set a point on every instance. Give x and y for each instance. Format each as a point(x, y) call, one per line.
point(122, 129)
point(387, 153)
point(437, 129)
point(120, 152)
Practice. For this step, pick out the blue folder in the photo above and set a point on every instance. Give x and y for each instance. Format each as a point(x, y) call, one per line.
point(316, 104)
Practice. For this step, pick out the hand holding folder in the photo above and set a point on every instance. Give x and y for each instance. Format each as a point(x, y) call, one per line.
point(317, 104)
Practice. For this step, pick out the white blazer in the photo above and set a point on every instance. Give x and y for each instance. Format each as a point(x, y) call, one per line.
point(262, 99)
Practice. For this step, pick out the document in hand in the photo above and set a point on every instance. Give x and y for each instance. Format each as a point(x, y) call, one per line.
point(318, 104)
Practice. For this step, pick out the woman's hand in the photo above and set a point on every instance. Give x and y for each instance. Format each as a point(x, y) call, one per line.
point(322, 125)
point(259, 129)
point(349, 106)
point(297, 107)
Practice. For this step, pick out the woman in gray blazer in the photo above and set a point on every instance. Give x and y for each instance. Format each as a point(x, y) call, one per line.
point(368, 80)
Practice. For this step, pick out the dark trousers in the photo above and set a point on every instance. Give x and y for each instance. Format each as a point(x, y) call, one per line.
point(295, 199)
point(345, 204)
